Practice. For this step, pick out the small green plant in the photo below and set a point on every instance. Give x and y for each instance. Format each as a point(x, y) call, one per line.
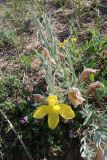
point(61, 66)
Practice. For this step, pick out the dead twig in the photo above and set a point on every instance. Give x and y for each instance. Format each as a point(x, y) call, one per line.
point(19, 138)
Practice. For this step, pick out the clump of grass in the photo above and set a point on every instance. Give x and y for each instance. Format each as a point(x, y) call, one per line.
point(8, 38)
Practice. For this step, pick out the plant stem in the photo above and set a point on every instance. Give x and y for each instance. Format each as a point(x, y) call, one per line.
point(12, 127)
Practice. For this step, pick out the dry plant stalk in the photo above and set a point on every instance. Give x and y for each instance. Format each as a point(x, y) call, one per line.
point(19, 138)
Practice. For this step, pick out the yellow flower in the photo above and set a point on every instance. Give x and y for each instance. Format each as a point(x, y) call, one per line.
point(53, 110)
point(74, 39)
point(65, 41)
point(62, 44)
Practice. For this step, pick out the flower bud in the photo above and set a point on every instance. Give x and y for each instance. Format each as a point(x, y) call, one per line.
point(47, 55)
point(85, 74)
point(75, 97)
point(38, 97)
point(92, 87)
point(61, 56)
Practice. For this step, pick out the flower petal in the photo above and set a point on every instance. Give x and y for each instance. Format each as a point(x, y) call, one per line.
point(40, 112)
point(66, 111)
point(53, 120)
point(52, 100)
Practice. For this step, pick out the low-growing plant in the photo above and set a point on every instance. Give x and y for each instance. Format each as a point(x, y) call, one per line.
point(61, 66)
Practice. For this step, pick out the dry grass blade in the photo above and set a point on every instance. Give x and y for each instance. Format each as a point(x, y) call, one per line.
point(14, 130)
